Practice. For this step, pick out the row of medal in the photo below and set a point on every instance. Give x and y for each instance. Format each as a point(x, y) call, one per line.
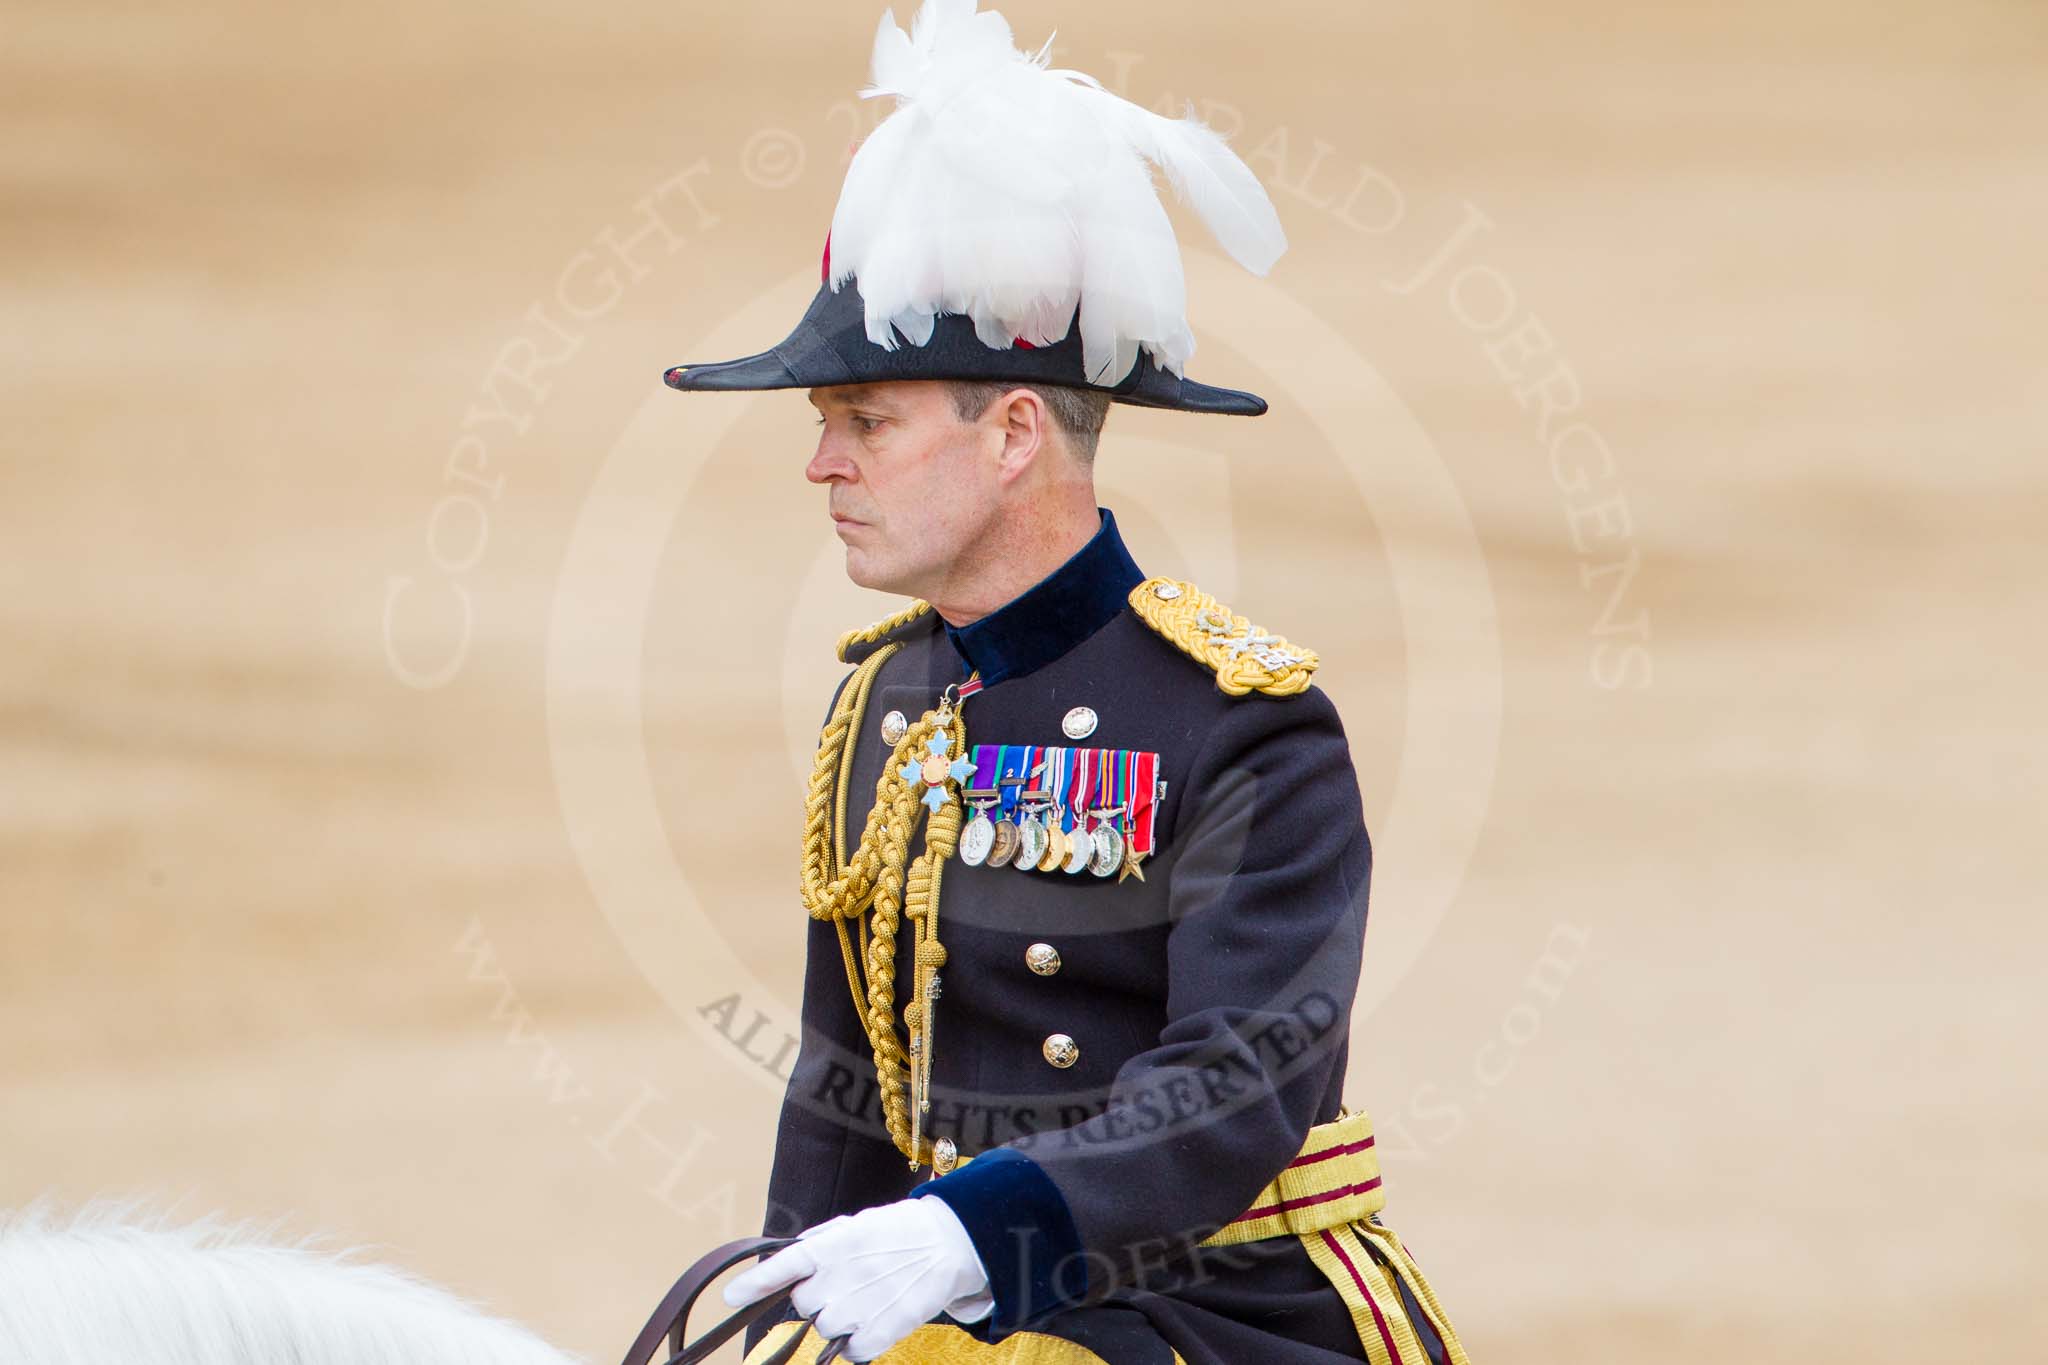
point(1048, 809)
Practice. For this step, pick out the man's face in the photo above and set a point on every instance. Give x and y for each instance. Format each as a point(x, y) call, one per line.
point(912, 485)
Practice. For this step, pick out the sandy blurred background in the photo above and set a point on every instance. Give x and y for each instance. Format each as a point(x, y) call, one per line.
point(331, 331)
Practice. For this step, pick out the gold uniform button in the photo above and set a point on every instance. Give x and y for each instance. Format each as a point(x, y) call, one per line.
point(1042, 958)
point(945, 1156)
point(1061, 1050)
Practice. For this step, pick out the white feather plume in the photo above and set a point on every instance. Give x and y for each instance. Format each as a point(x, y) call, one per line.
point(1010, 193)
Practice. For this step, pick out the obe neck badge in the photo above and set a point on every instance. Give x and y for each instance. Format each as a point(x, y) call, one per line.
point(935, 771)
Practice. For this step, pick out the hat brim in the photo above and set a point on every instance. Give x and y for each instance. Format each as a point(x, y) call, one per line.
point(768, 371)
point(763, 371)
point(829, 346)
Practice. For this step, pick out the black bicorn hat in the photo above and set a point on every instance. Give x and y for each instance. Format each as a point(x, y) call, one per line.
point(1002, 225)
point(830, 346)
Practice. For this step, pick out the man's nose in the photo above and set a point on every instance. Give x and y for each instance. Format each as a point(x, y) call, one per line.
point(829, 462)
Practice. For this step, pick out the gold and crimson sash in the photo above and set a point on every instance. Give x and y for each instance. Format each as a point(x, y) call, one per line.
point(1329, 1197)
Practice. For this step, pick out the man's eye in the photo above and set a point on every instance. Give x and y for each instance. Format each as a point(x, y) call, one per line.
point(868, 425)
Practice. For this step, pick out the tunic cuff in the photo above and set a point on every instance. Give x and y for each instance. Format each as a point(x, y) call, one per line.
point(1022, 1230)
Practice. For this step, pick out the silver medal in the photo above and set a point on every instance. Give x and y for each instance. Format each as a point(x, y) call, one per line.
point(1081, 851)
point(1031, 842)
point(978, 839)
point(1108, 854)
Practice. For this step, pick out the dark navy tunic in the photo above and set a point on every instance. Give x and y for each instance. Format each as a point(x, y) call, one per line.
point(1210, 1002)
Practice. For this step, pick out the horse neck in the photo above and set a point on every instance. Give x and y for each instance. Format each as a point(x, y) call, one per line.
point(100, 1288)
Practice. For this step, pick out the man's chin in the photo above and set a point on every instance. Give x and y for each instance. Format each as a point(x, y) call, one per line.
point(863, 571)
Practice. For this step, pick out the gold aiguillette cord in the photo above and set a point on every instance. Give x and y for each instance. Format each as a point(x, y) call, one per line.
point(873, 889)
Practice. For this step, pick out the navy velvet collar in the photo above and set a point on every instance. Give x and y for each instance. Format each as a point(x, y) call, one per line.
point(1061, 610)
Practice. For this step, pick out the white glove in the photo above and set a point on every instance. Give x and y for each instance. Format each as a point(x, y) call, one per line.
point(878, 1274)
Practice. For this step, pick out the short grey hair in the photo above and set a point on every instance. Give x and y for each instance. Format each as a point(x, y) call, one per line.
point(1079, 413)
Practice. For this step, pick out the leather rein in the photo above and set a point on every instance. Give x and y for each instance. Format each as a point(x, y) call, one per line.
point(671, 1318)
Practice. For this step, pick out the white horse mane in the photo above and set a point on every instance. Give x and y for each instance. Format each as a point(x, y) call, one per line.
point(111, 1285)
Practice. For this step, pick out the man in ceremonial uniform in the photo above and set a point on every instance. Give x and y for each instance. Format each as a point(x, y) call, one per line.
point(1084, 855)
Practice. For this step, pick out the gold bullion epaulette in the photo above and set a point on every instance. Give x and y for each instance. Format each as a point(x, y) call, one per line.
point(856, 645)
point(1246, 659)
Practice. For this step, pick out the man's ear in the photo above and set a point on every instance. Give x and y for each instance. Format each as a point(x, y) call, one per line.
point(1026, 425)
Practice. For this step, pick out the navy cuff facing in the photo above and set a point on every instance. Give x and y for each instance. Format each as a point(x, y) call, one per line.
point(1023, 1232)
